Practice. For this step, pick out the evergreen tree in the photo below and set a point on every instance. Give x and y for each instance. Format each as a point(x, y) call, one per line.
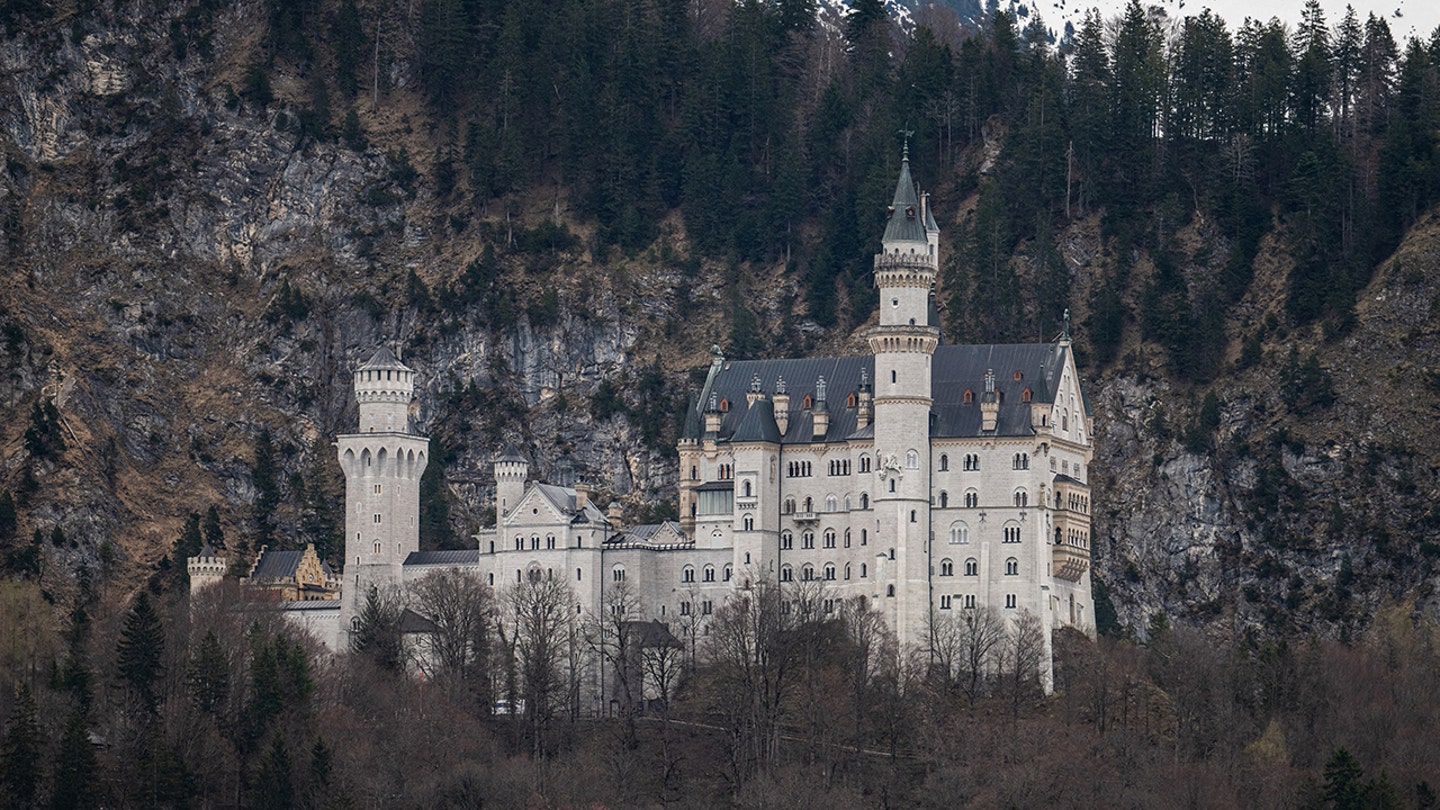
point(377, 631)
point(435, 528)
point(322, 494)
point(267, 489)
point(214, 534)
point(8, 520)
point(20, 751)
point(187, 545)
point(209, 677)
point(274, 789)
point(76, 768)
point(349, 42)
point(140, 652)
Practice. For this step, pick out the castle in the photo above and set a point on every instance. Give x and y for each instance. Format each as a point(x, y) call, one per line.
point(928, 478)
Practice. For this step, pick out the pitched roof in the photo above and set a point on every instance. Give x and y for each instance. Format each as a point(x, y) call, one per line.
point(510, 454)
point(563, 499)
point(666, 533)
point(954, 369)
point(384, 359)
point(758, 424)
point(464, 556)
point(275, 565)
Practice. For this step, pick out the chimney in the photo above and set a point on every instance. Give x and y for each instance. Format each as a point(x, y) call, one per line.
point(862, 401)
point(755, 391)
point(582, 496)
point(782, 406)
point(989, 404)
point(820, 414)
point(612, 513)
point(713, 415)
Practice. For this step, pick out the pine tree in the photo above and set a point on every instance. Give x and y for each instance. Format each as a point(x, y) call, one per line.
point(20, 751)
point(187, 545)
point(214, 534)
point(266, 487)
point(7, 515)
point(76, 768)
point(209, 677)
point(274, 789)
point(140, 651)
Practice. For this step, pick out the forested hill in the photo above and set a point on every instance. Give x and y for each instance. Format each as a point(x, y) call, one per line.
point(212, 210)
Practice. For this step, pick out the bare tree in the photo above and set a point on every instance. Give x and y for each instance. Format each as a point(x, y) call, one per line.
point(964, 645)
point(752, 657)
point(535, 626)
point(463, 610)
point(1023, 653)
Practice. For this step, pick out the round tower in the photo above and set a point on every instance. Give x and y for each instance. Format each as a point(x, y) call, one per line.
point(206, 569)
point(383, 464)
point(904, 344)
point(511, 470)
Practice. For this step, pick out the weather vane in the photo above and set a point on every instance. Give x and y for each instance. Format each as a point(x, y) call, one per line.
point(906, 133)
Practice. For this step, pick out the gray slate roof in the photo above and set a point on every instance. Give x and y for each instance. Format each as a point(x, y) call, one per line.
point(464, 556)
point(564, 500)
point(312, 604)
point(905, 223)
point(954, 370)
point(276, 565)
point(645, 533)
point(509, 453)
point(384, 359)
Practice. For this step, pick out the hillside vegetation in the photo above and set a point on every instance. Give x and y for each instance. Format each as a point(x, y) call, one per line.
point(211, 211)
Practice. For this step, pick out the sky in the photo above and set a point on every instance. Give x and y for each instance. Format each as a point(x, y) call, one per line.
point(1415, 17)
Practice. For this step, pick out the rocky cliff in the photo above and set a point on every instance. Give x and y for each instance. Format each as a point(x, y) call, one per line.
point(186, 264)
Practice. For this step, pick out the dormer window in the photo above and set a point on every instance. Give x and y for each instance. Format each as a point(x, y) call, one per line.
point(1026, 395)
point(1019, 376)
point(969, 397)
point(909, 212)
point(807, 402)
point(724, 405)
point(850, 400)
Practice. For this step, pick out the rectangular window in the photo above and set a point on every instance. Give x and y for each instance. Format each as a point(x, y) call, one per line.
point(706, 607)
point(377, 518)
point(1010, 600)
point(970, 601)
point(377, 488)
point(945, 602)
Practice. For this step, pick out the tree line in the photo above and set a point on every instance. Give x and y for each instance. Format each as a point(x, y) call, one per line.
point(776, 695)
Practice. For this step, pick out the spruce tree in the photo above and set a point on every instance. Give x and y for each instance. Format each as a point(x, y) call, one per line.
point(20, 751)
point(209, 677)
point(214, 534)
point(76, 768)
point(7, 515)
point(274, 789)
point(140, 651)
point(267, 488)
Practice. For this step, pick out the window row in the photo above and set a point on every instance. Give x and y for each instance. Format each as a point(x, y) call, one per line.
point(827, 572)
point(967, 601)
point(840, 466)
point(972, 567)
point(535, 542)
point(807, 539)
point(798, 469)
point(687, 574)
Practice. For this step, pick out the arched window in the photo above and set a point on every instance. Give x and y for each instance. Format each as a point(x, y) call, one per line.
point(912, 515)
point(944, 499)
point(617, 573)
point(892, 484)
point(807, 573)
point(972, 568)
point(1012, 567)
point(807, 403)
point(829, 538)
point(550, 541)
point(830, 572)
point(889, 590)
point(864, 501)
point(1021, 497)
point(944, 462)
point(969, 398)
point(1026, 396)
point(831, 503)
point(1012, 532)
point(809, 505)
point(850, 400)
point(847, 570)
point(847, 538)
point(377, 546)
point(724, 405)
point(912, 460)
point(749, 523)
point(807, 540)
point(947, 568)
point(789, 506)
point(709, 573)
point(745, 489)
point(687, 574)
point(786, 574)
point(972, 499)
point(959, 532)
point(862, 570)
point(726, 573)
point(787, 541)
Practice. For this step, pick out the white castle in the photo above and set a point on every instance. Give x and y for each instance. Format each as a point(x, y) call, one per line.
point(927, 478)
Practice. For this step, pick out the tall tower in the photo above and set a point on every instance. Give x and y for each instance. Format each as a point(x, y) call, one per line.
point(511, 470)
point(904, 344)
point(383, 464)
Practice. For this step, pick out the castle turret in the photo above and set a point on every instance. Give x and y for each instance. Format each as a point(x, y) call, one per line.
point(511, 470)
point(382, 464)
point(205, 569)
point(904, 343)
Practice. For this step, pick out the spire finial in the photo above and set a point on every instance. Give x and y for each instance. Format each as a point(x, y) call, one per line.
point(906, 133)
point(1065, 333)
point(820, 387)
point(755, 384)
point(780, 385)
point(989, 380)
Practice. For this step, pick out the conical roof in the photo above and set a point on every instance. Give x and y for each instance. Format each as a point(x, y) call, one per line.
point(511, 455)
point(905, 223)
point(384, 360)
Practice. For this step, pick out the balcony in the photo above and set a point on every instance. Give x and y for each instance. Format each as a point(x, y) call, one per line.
point(805, 517)
point(1071, 562)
